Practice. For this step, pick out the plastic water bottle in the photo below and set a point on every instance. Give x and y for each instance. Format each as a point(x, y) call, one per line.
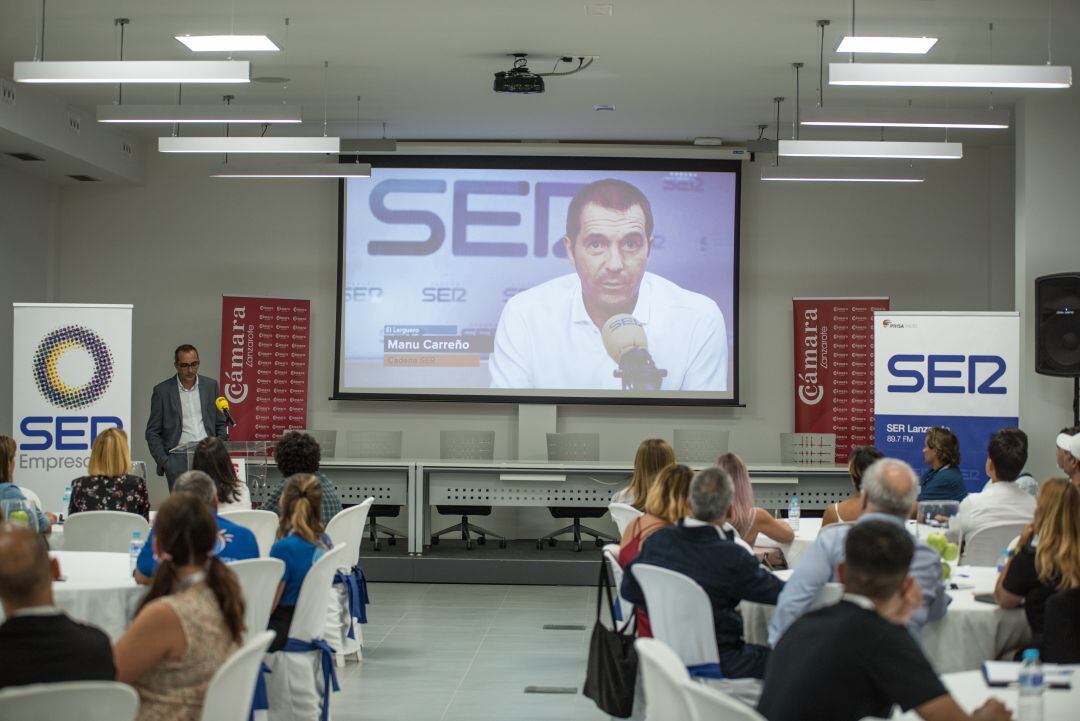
point(793, 514)
point(1030, 707)
point(1003, 558)
point(67, 503)
point(134, 548)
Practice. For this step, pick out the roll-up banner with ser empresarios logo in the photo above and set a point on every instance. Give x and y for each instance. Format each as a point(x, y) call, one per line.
point(71, 381)
point(958, 370)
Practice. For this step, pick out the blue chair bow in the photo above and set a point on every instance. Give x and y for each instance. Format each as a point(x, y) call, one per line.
point(260, 701)
point(330, 679)
point(352, 591)
point(705, 670)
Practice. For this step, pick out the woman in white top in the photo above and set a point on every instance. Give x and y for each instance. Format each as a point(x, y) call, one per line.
point(213, 459)
point(748, 520)
point(653, 455)
point(847, 511)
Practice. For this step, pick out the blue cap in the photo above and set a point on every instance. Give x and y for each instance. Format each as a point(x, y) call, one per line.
point(1031, 654)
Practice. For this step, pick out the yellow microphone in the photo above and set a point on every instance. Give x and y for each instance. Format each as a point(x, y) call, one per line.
point(223, 406)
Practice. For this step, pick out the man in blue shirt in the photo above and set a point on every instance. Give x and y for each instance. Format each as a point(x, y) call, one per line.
point(889, 489)
point(234, 542)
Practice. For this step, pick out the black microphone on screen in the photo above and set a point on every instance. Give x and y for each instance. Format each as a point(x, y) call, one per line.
point(223, 406)
point(625, 341)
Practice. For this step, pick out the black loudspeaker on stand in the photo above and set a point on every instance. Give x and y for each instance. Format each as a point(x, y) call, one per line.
point(1057, 330)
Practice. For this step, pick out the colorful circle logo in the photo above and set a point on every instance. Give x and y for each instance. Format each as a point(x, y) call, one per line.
point(47, 375)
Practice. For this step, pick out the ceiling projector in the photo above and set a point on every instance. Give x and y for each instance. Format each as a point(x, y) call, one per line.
point(519, 80)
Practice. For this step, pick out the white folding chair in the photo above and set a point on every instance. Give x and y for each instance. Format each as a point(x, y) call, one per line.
point(84, 700)
point(232, 687)
point(981, 548)
point(623, 514)
point(664, 677)
point(264, 524)
point(259, 579)
point(108, 531)
point(300, 680)
point(708, 703)
point(342, 625)
point(611, 557)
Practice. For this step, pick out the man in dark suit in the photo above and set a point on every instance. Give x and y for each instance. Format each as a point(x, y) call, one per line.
point(182, 410)
point(39, 643)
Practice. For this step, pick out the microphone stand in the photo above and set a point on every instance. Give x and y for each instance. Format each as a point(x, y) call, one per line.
point(638, 371)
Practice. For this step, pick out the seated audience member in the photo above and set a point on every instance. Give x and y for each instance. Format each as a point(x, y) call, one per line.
point(295, 453)
point(942, 480)
point(213, 459)
point(38, 642)
point(300, 543)
point(10, 492)
point(190, 621)
point(1068, 453)
point(1001, 501)
point(669, 500)
point(1047, 557)
point(888, 493)
point(232, 541)
point(848, 511)
point(109, 485)
point(869, 663)
point(698, 547)
point(748, 520)
point(652, 455)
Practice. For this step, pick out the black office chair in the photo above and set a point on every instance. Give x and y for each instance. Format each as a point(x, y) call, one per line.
point(1061, 637)
point(471, 446)
point(575, 447)
point(377, 444)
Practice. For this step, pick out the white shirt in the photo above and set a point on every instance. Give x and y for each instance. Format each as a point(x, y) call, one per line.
point(691, 522)
point(244, 504)
point(190, 413)
point(546, 339)
point(1002, 502)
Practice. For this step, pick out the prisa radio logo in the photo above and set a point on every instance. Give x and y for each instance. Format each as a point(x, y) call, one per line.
point(55, 431)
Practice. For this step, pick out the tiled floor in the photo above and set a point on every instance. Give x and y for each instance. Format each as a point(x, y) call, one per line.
point(436, 652)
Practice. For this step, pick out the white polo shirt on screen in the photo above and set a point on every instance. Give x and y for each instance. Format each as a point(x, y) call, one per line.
point(1002, 502)
point(546, 339)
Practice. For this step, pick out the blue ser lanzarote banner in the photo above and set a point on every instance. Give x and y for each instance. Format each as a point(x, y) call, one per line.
point(958, 370)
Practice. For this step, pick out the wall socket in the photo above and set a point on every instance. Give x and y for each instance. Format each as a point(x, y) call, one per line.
point(74, 123)
point(7, 92)
point(127, 148)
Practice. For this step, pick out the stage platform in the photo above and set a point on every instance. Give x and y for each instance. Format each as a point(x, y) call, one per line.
point(449, 562)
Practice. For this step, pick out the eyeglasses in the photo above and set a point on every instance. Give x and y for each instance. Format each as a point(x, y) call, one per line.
point(185, 366)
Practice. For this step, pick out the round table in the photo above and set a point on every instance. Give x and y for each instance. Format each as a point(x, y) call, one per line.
point(970, 691)
point(804, 538)
point(97, 588)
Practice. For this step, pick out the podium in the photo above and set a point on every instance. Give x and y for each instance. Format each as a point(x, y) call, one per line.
point(250, 458)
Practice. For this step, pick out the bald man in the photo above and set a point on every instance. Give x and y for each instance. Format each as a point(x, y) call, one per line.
point(38, 642)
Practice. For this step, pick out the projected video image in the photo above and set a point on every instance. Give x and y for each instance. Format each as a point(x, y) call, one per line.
point(512, 282)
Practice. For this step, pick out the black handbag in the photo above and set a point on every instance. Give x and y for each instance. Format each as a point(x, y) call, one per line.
point(612, 670)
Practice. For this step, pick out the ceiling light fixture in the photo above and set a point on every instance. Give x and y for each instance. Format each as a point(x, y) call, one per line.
point(314, 170)
point(274, 113)
point(228, 43)
point(869, 149)
point(929, 75)
point(134, 71)
point(881, 44)
point(971, 119)
point(225, 144)
point(838, 175)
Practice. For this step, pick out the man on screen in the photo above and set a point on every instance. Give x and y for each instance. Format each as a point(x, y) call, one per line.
point(550, 336)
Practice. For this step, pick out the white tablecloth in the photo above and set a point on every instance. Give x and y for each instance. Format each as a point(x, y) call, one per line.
point(970, 691)
point(971, 631)
point(804, 537)
point(98, 589)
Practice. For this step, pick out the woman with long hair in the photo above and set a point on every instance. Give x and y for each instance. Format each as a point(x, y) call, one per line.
point(10, 492)
point(860, 458)
point(110, 486)
point(942, 480)
point(1046, 559)
point(667, 502)
point(300, 543)
point(652, 455)
point(748, 520)
point(190, 621)
point(212, 458)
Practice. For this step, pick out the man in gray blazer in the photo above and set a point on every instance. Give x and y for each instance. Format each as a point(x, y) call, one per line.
point(182, 410)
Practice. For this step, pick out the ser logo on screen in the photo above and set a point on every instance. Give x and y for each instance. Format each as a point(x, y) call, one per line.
point(363, 294)
point(436, 294)
point(974, 374)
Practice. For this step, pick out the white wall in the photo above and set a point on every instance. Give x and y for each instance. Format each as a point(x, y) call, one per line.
point(27, 221)
point(175, 245)
point(1047, 241)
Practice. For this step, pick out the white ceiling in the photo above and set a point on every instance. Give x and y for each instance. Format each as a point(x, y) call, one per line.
point(674, 70)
